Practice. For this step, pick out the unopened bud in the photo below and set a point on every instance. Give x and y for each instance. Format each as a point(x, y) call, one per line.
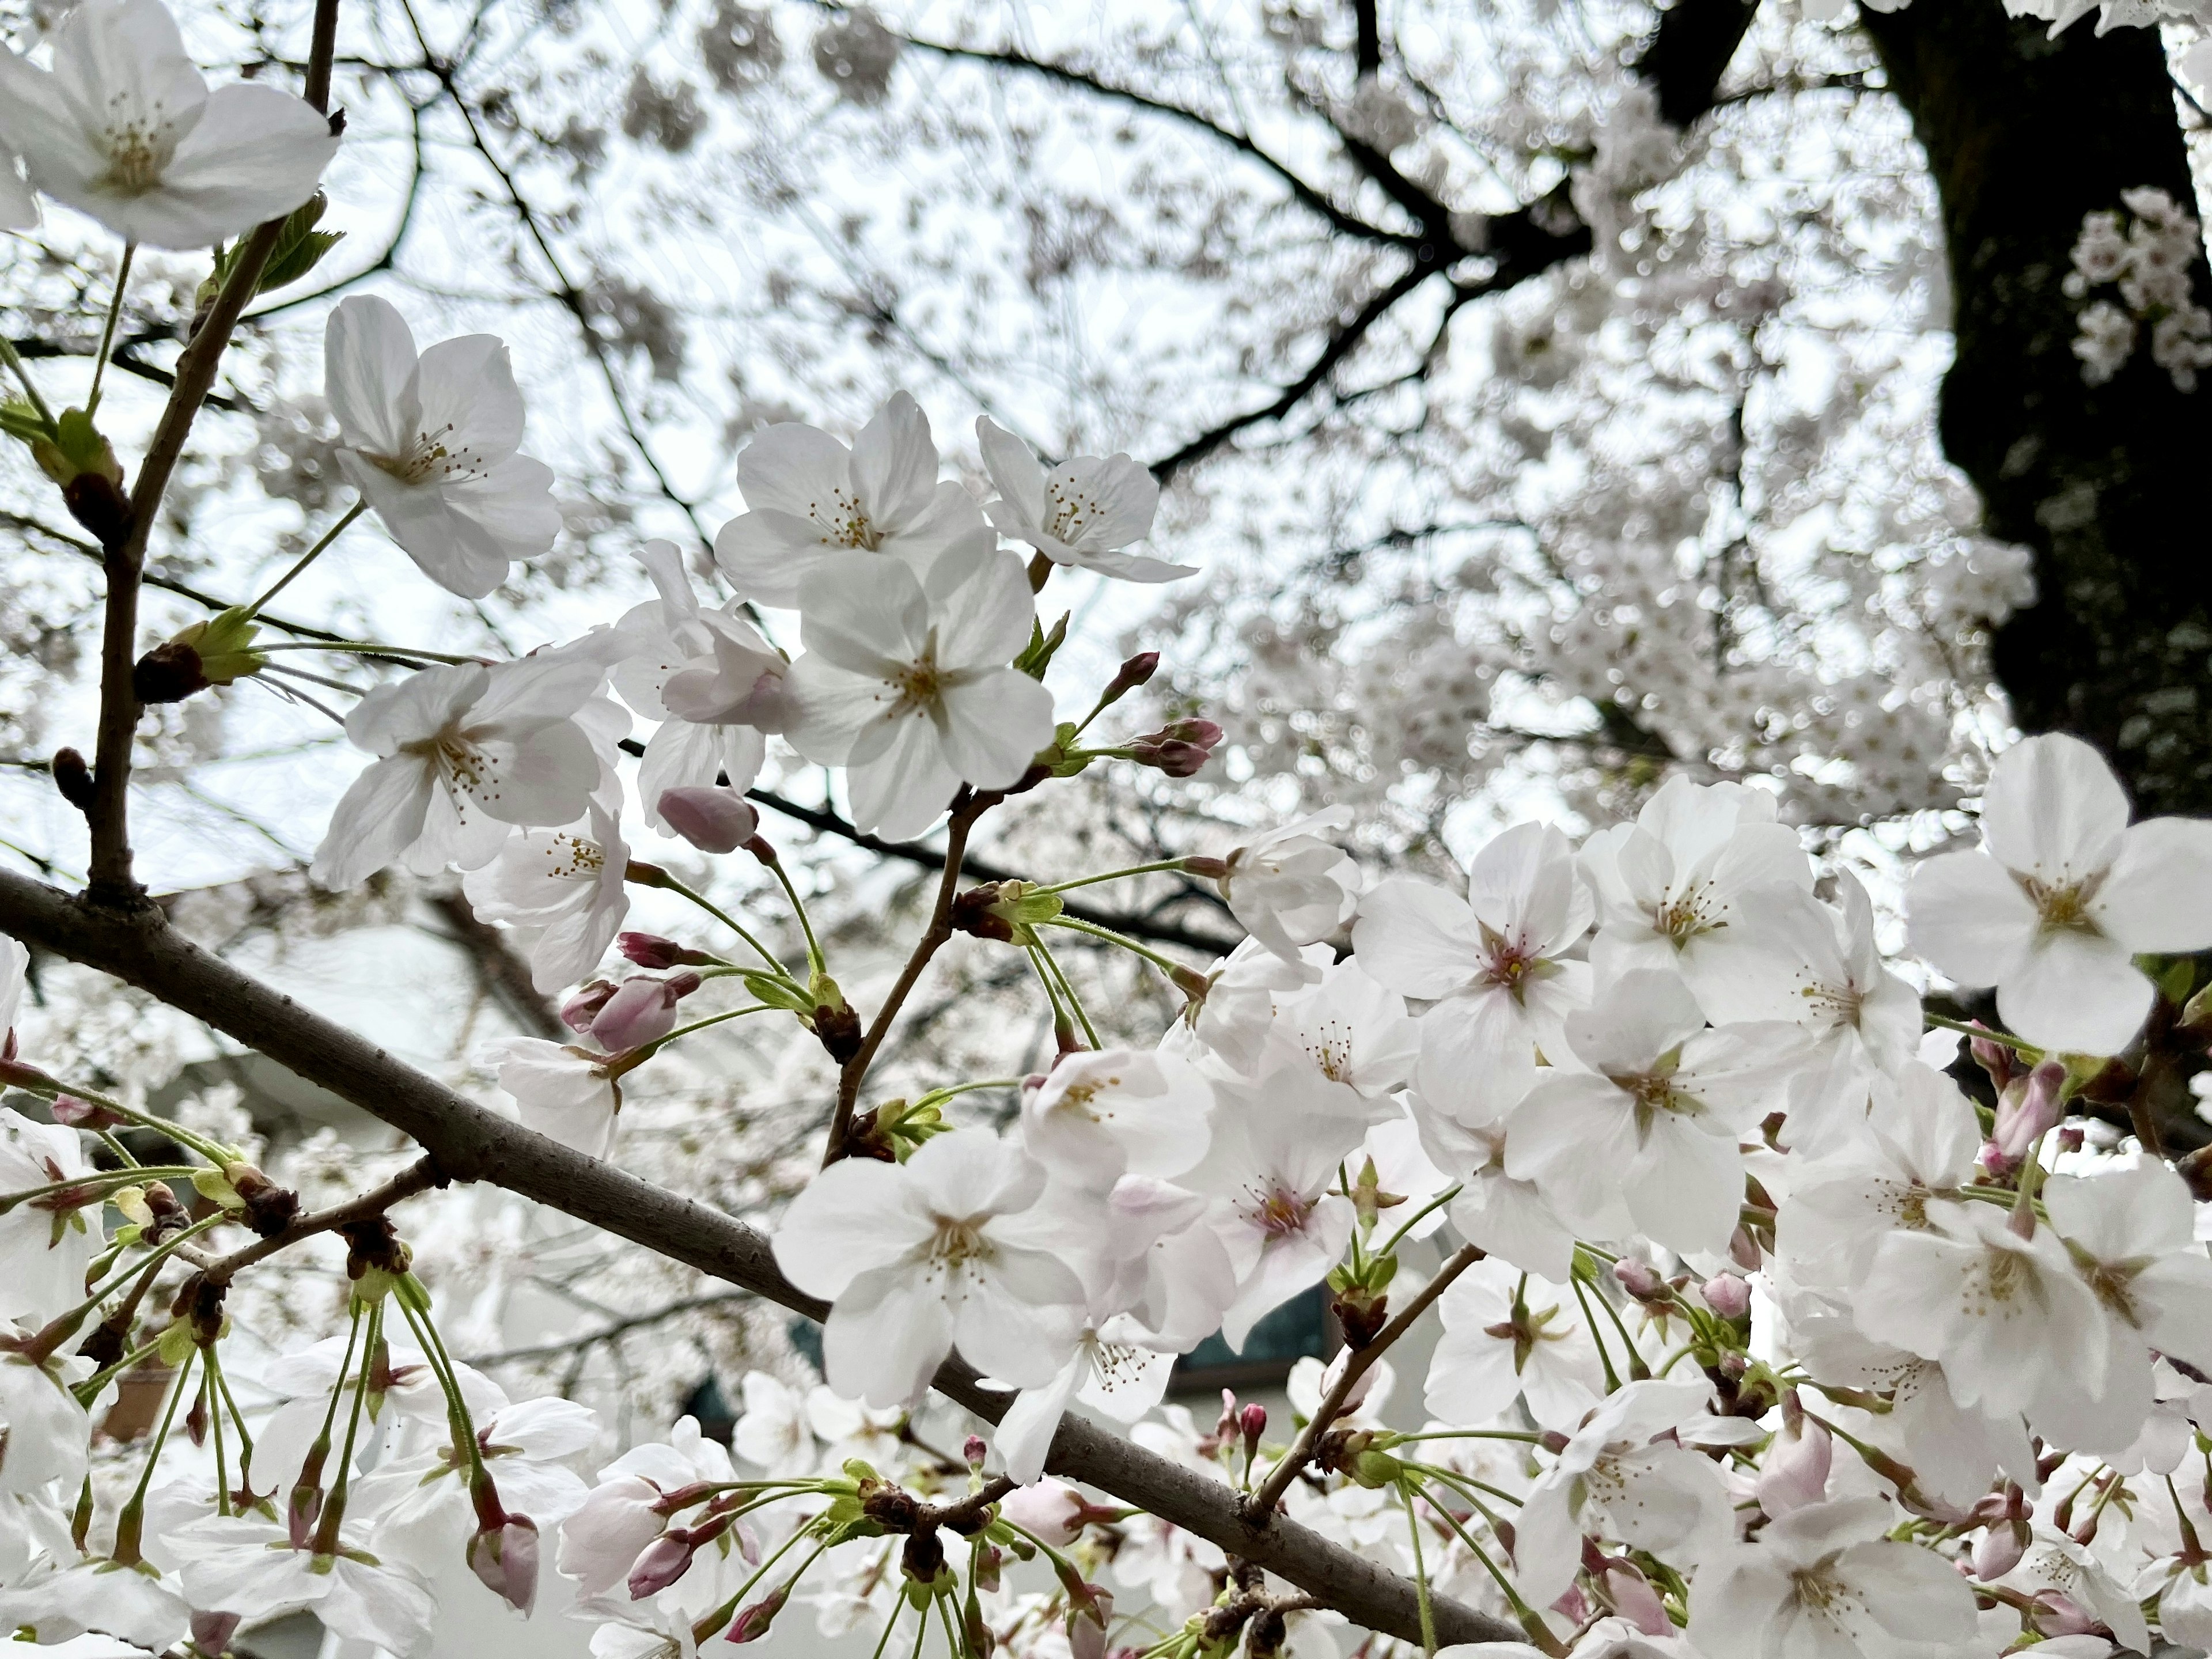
point(1998, 1550)
point(217, 652)
point(2028, 1108)
point(505, 1558)
point(76, 1114)
point(641, 1011)
point(1137, 671)
point(1795, 1472)
point(660, 1564)
point(972, 1449)
point(753, 1619)
point(1181, 749)
point(1727, 1296)
point(1252, 1420)
point(1640, 1279)
point(211, 1631)
point(73, 778)
point(1052, 1510)
point(1996, 1058)
point(712, 818)
point(654, 952)
point(1634, 1600)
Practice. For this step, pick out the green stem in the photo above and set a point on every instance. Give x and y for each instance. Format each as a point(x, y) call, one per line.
point(50, 1089)
point(728, 921)
point(659, 1044)
point(1076, 924)
point(1527, 1615)
point(1154, 868)
point(107, 333)
point(106, 1181)
point(130, 1522)
point(121, 1152)
point(1413, 1220)
point(308, 557)
point(1420, 1570)
point(442, 1365)
point(815, 960)
point(237, 1419)
point(8, 355)
point(1074, 1002)
point(367, 648)
point(1638, 1370)
point(333, 1516)
point(215, 1416)
point(1966, 1029)
point(59, 1330)
point(938, 1096)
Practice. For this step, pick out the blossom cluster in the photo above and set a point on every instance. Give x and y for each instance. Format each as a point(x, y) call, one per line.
point(2147, 256)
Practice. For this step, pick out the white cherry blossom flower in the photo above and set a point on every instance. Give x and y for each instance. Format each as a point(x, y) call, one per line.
point(1617, 1478)
point(1990, 1305)
point(918, 1258)
point(1172, 1271)
point(19, 206)
point(1229, 1025)
point(560, 890)
point(1682, 888)
point(1824, 1583)
point(464, 752)
point(96, 1598)
point(1349, 1030)
point(1081, 513)
point(708, 675)
point(771, 1432)
point(1494, 963)
point(906, 681)
point(430, 441)
point(1112, 1371)
point(1464, 1114)
point(14, 968)
point(2065, 893)
point(1288, 887)
point(1508, 1335)
point(124, 129)
point(1099, 1116)
point(44, 1433)
point(246, 1564)
point(1863, 1020)
point(569, 1093)
point(810, 497)
point(1648, 1135)
point(45, 1243)
point(602, 1537)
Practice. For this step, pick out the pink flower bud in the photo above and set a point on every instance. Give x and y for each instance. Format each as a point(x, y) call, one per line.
point(505, 1558)
point(1180, 749)
point(578, 1012)
point(1253, 1419)
point(1634, 1600)
point(1743, 1249)
point(1640, 1279)
point(1795, 1472)
point(1727, 1296)
point(641, 1011)
point(83, 1115)
point(211, 1631)
point(2026, 1111)
point(1999, 1548)
point(1051, 1509)
point(752, 1621)
point(1996, 1058)
point(712, 818)
point(660, 1564)
point(652, 950)
point(2055, 1613)
point(972, 1449)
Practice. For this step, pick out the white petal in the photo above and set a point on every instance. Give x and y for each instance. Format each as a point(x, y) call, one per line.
point(2076, 992)
point(2158, 897)
point(1966, 914)
point(2053, 809)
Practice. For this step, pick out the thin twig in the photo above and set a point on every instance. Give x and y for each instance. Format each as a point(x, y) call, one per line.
point(417, 1178)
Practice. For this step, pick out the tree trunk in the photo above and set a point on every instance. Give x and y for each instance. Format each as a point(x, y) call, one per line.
point(2024, 136)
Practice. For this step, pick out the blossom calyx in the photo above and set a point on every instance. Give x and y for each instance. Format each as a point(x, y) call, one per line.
point(1007, 911)
point(217, 652)
point(376, 1261)
point(652, 951)
point(269, 1208)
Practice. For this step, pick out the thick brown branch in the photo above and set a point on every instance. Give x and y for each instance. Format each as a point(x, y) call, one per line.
point(472, 1143)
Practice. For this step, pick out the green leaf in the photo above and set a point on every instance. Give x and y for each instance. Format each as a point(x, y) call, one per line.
point(1038, 656)
point(300, 248)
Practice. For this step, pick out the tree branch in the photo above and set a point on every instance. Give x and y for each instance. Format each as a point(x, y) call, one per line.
point(472, 1143)
point(417, 1178)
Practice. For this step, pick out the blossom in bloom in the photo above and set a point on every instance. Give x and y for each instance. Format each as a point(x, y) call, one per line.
point(307, 1378)
point(1648, 1135)
point(569, 1093)
point(810, 498)
point(905, 681)
point(602, 1538)
point(1464, 1115)
point(45, 1243)
point(96, 1598)
point(1099, 1116)
point(1288, 887)
point(124, 128)
point(43, 1433)
point(560, 890)
point(771, 1432)
point(1352, 1031)
point(706, 674)
point(1992, 1306)
point(2064, 894)
point(1688, 886)
point(249, 1566)
point(1617, 1477)
point(1274, 1162)
point(918, 1258)
point(1864, 1021)
point(1507, 1334)
point(14, 969)
point(1082, 513)
point(1493, 963)
point(463, 753)
point(1824, 1583)
point(430, 442)
point(1111, 1371)
point(1229, 1022)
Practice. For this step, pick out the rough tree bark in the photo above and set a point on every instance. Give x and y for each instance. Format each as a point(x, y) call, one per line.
point(2024, 136)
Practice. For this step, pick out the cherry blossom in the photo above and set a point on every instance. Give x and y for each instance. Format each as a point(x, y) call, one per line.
point(45, 1243)
point(917, 1259)
point(125, 128)
point(1823, 1580)
point(1506, 1335)
point(812, 497)
point(1274, 1165)
point(430, 441)
point(1082, 513)
point(15, 963)
point(1494, 965)
point(1112, 1371)
point(1099, 1116)
point(1463, 1114)
point(1288, 887)
point(569, 1093)
point(905, 682)
point(562, 891)
point(464, 752)
point(2064, 894)
point(247, 1565)
point(602, 1538)
point(1864, 1021)
point(43, 1433)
